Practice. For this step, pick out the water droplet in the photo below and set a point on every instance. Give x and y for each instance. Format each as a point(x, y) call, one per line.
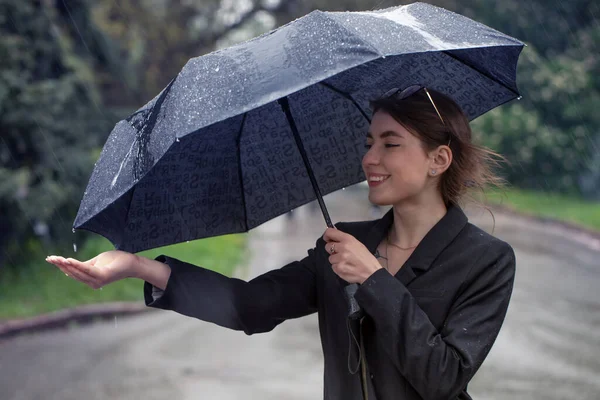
point(75, 247)
point(187, 241)
point(217, 69)
point(519, 98)
point(177, 140)
point(343, 188)
point(100, 288)
point(66, 274)
point(73, 230)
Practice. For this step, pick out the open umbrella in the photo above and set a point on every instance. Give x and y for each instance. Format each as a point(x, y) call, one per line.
point(247, 133)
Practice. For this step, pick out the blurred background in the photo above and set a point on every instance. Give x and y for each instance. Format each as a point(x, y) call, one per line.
point(70, 69)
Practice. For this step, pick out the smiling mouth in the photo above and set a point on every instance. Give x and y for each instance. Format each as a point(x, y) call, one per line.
point(376, 179)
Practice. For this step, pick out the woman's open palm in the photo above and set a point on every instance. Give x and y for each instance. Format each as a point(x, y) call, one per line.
point(101, 270)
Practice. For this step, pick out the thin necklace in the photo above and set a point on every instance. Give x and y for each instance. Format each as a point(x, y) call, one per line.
point(387, 239)
point(378, 255)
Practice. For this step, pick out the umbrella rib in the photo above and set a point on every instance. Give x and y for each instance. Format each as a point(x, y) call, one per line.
point(127, 215)
point(474, 68)
point(239, 161)
point(142, 135)
point(346, 96)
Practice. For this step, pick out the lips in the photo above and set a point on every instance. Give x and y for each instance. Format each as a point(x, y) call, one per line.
point(376, 179)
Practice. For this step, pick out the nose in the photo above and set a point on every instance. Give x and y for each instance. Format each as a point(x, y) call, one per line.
point(371, 157)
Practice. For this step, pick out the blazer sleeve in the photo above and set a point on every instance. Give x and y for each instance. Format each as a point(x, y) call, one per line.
point(253, 307)
point(439, 364)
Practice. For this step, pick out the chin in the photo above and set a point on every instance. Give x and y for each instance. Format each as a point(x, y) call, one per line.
point(380, 200)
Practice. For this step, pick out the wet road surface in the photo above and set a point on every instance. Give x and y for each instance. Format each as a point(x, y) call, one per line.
point(549, 347)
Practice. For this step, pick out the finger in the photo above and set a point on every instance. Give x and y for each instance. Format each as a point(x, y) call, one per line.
point(330, 247)
point(56, 261)
point(80, 271)
point(335, 259)
point(328, 235)
point(340, 271)
point(57, 265)
point(85, 269)
point(334, 235)
point(66, 267)
point(76, 274)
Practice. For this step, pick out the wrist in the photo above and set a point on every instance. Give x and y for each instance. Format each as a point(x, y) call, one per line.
point(137, 267)
point(372, 270)
point(154, 272)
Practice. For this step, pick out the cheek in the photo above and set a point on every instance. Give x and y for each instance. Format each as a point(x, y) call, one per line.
point(410, 169)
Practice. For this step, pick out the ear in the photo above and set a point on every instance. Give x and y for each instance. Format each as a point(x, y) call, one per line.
point(440, 160)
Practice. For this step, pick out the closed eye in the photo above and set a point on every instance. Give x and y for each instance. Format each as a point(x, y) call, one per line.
point(387, 145)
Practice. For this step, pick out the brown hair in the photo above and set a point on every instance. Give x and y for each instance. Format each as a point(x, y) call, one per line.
point(472, 166)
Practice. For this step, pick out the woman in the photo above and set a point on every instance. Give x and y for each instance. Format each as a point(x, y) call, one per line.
point(434, 289)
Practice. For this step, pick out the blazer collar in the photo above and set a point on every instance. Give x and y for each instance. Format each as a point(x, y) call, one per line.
point(434, 242)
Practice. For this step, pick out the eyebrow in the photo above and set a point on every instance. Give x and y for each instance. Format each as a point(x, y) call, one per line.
point(386, 134)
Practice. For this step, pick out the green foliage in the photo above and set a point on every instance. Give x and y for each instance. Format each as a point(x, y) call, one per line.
point(39, 287)
point(551, 136)
point(568, 208)
point(50, 121)
point(156, 40)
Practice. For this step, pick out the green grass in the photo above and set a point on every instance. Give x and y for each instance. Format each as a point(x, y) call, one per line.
point(40, 287)
point(566, 208)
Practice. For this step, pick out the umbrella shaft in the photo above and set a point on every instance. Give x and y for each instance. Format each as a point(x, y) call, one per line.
point(285, 105)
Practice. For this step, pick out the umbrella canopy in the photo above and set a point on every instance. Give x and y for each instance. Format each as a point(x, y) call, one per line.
point(225, 146)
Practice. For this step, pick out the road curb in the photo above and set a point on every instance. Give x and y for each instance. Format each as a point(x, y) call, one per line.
point(575, 233)
point(548, 221)
point(81, 314)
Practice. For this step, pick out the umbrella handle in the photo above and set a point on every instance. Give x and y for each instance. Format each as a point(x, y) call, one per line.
point(354, 310)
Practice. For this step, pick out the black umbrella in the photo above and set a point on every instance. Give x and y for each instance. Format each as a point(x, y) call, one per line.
point(247, 133)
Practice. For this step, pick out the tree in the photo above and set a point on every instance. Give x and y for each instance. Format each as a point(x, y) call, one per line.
point(51, 122)
point(156, 41)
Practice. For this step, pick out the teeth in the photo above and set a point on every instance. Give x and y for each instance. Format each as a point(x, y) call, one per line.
point(377, 178)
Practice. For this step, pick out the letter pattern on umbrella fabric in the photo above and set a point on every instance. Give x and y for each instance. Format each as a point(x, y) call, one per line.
point(214, 152)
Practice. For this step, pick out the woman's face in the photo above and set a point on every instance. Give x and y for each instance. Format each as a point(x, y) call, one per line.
point(396, 164)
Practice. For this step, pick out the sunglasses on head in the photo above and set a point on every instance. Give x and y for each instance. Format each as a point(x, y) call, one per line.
point(409, 91)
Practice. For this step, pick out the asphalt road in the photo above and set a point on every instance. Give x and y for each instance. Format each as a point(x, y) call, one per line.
point(549, 347)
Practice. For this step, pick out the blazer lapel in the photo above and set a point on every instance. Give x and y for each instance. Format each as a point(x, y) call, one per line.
point(436, 240)
point(432, 245)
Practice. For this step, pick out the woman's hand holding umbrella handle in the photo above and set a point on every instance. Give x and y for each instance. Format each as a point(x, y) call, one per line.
point(349, 258)
point(112, 266)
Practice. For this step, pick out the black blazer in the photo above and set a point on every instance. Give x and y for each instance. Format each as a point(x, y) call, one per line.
point(427, 329)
